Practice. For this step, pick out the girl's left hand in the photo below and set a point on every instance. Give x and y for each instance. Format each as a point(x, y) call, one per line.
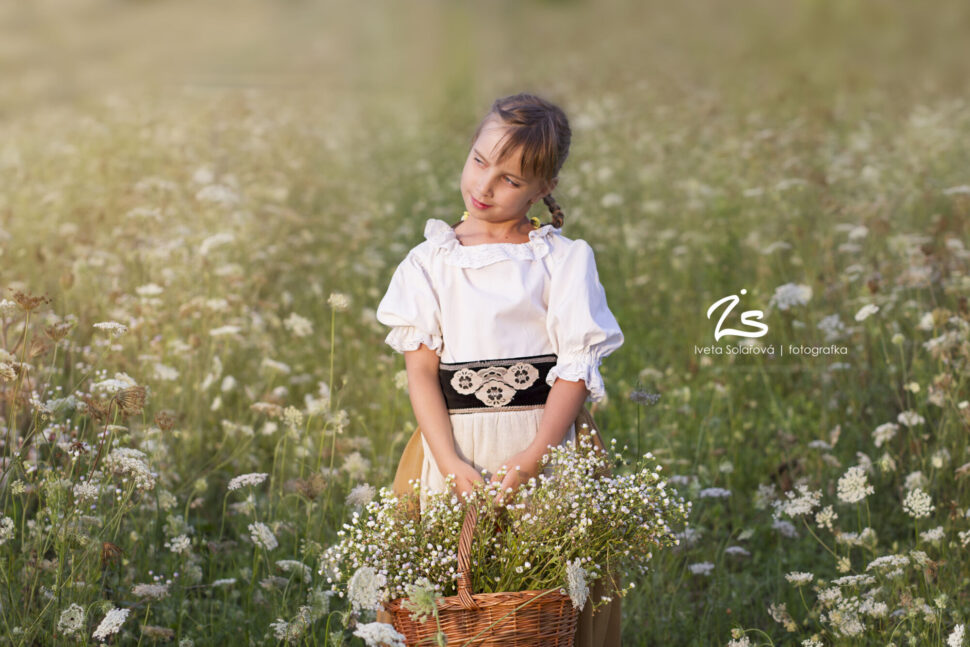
point(521, 467)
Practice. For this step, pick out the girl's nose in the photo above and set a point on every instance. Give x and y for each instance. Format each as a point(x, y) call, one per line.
point(485, 186)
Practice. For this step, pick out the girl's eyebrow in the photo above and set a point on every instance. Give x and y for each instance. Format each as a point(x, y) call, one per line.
point(476, 151)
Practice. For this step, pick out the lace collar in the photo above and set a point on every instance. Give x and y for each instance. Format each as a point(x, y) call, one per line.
point(440, 234)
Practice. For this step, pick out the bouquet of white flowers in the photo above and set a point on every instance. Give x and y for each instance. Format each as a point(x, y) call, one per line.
point(570, 525)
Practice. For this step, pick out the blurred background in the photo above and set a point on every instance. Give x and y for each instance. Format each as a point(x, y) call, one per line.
point(208, 173)
point(428, 56)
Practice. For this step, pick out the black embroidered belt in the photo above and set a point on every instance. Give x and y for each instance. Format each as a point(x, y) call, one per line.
point(496, 384)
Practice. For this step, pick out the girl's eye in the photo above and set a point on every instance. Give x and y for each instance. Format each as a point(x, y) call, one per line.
point(512, 183)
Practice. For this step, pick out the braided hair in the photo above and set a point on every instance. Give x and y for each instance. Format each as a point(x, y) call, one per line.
point(542, 130)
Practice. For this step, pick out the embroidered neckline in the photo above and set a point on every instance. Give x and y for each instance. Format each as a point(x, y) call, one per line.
point(440, 234)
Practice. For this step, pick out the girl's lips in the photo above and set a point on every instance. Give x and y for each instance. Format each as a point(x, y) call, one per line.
point(480, 205)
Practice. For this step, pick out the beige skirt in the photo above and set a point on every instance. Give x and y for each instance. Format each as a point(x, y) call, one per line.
point(601, 629)
point(485, 440)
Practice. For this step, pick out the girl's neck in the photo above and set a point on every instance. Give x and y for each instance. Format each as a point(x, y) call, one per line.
point(470, 234)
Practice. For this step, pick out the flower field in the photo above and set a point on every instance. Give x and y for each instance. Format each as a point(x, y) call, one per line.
point(195, 395)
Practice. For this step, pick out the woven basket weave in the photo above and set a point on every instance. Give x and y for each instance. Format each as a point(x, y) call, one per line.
point(544, 618)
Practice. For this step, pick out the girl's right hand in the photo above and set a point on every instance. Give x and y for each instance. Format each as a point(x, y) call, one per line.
point(466, 476)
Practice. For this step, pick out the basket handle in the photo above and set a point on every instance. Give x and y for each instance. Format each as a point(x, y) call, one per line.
point(464, 557)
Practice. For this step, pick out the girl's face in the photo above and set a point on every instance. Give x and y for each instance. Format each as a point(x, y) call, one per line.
point(498, 192)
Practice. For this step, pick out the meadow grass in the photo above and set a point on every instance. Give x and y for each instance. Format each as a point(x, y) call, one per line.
point(244, 236)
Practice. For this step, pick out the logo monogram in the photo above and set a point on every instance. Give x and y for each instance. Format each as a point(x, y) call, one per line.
point(733, 300)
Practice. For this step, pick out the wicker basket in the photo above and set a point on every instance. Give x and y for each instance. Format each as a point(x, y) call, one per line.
point(544, 618)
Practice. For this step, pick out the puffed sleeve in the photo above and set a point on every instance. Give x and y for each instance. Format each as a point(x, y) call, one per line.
point(580, 325)
point(411, 308)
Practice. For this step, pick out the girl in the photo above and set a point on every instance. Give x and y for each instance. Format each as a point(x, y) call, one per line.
point(502, 321)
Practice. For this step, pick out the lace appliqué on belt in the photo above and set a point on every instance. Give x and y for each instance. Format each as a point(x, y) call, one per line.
point(495, 385)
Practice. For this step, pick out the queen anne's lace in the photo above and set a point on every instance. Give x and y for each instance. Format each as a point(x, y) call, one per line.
point(441, 234)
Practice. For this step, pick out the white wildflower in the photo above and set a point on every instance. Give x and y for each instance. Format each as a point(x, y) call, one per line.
point(7, 530)
point(295, 566)
point(701, 568)
point(786, 528)
point(714, 493)
point(866, 311)
point(379, 634)
point(110, 624)
point(299, 326)
point(113, 328)
point(365, 588)
point(71, 620)
point(955, 639)
point(179, 545)
point(789, 295)
point(884, 433)
point(799, 578)
point(245, 480)
point(361, 495)
point(339, 301)
point(149, 290)
point(910, 418)
point(576, 582)
point(804, 502)
point(131, 463)
point(151, 591)
point(854, 486)
point(918, 503)
point(262, 535)
point(825, 517)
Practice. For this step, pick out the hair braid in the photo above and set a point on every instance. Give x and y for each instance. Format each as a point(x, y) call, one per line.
point(555, 210)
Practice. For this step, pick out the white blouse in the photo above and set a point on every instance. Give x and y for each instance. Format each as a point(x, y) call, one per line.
point(503, 300)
